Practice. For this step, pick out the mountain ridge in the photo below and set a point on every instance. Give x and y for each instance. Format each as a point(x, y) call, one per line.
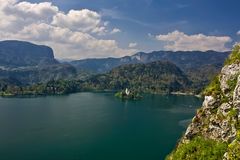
point(182, 59)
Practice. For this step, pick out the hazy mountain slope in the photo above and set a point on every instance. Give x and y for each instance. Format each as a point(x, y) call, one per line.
point(215, 130)
point(101, 65)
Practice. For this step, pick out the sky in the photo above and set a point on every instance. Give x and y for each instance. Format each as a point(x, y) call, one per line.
point(79, 29)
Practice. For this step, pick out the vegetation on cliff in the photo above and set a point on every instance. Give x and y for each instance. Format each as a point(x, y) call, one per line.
point(234, 57)
point(213, 88)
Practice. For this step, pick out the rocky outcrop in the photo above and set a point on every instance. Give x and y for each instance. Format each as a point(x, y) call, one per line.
point(219, 118)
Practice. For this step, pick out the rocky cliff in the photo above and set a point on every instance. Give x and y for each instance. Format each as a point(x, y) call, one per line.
point(214, 132)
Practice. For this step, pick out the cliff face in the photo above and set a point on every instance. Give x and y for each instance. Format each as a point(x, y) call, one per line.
point(216, 125)
point(19, 54)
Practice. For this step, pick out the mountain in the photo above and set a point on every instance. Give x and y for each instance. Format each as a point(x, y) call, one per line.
point(154, 77)
point(20, 54)
point(183, 59)
point(214, 132)
point(29, 63)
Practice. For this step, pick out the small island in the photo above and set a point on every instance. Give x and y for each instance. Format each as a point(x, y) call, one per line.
point(128, 94)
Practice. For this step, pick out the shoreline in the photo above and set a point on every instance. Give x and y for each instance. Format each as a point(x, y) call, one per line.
point(96, 91)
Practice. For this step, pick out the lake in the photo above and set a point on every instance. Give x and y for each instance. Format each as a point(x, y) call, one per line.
point(92, 126)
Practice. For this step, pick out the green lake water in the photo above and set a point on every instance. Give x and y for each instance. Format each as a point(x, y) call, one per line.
point(92, 126)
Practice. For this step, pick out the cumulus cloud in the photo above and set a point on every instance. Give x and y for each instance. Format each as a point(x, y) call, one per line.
point(132, 45)
point(80, 20)
point(27, 10)
point(72, 34)
point(14, 16)
point(180, 41)
point(238, 33)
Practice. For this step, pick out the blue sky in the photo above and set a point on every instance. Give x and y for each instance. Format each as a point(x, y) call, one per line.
point(146, 25)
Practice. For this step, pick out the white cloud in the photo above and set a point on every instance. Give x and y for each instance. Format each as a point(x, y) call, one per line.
point(132, 45)
point(238, 33)
point(14, 16)
point(115, 30)
point(26, 10)
point(79, 20)
point(180, 41)
point(71, 35)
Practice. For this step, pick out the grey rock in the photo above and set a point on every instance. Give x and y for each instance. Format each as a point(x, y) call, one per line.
point(209, 102)
point(227, 73)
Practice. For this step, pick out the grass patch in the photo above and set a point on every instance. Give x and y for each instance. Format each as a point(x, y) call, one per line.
point(199, 148)
point(234, 150)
